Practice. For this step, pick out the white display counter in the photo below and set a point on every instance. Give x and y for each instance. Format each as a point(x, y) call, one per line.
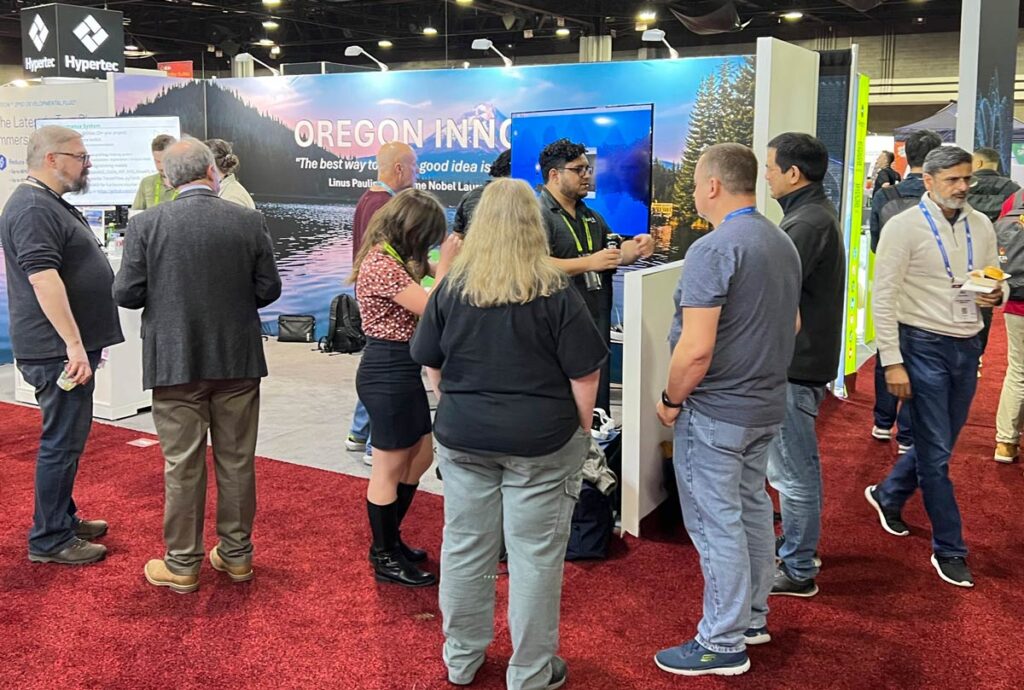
point(119, 391)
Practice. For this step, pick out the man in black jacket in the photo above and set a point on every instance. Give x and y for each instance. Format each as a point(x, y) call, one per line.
point(501, 167)
point(201, 267)
point(885, 176)
point(795, 167)
point(989, 189)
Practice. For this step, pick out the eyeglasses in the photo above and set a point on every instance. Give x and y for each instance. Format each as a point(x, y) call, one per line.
point(581, 170)
point(82, 158)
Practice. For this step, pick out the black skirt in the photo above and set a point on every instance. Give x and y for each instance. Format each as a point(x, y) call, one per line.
point(390, 385)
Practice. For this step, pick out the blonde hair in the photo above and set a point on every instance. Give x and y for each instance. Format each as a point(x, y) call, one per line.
point(505, 257)
point(412, 222)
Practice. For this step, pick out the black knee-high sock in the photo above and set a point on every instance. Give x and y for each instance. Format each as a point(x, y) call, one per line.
point(383, 524)
point(406, 492)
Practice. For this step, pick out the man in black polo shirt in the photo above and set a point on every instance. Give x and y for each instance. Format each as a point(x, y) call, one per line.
point(62, 316)
point(578, 237)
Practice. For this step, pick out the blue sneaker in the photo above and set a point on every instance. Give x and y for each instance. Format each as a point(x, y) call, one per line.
point(757, 636)
point(692, 659)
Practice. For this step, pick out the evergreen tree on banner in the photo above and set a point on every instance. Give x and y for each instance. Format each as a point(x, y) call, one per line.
point(700, 136)
point(737, 121)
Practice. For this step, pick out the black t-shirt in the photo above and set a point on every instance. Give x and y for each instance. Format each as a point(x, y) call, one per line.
point(39, 232)
point(505, 370)
point(564, 246)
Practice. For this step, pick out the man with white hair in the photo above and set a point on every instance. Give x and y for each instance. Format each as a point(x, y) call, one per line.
point(926, 328)
point(62, 315)
point(201, 267)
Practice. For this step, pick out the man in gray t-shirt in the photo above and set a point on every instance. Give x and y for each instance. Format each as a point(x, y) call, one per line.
point(732, 341)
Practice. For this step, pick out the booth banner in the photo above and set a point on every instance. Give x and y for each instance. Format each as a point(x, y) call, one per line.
point(178, 68)
point(307, 143)
point(69, 41)
point(854, 300)
point(19, 110)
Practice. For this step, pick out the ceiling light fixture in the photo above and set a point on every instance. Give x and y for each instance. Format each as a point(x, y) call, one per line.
point(265, 42)
point(271, 3)
point(353, 51)
point(270, 25)
point(384, 43)
point(463, 2)
point(488, 44)
point(794, 16)
point(562, 32)
point(130, 48)
point(647, 16)
point(275, 51)
point(465, 64)
point(658, 36)
point(210, 48)
point(429, 31)
point(249, 57)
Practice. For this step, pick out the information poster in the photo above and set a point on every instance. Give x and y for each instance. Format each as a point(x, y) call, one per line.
point(853, 228)
point(121, 154)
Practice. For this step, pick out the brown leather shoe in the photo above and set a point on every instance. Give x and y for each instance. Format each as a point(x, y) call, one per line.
point(1005, 452)
point(237, 573)
point(78, 552)
point(158, 575)
point(90, 529)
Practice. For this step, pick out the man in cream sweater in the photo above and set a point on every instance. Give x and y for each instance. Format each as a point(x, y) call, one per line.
point(927, 334)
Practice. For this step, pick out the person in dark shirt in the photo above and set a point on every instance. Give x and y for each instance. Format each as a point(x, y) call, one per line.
point(888, 410)
point(396, 170)
point(515, 359)
point(989, 190)
point(62, 315)
point(501, 167)
point(578, 237)
point(885, 176)
point(794, 169)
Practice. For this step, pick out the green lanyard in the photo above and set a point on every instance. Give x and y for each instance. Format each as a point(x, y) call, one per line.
point(390, 251)
point(156, 193)
point(586, 227)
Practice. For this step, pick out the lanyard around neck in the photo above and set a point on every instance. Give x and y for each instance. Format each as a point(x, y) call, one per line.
point(942, 247)
point(745, 211)
point(386, 187)
point(38, 184)
point(576, 239)
point(392, 252)
point(156, 194)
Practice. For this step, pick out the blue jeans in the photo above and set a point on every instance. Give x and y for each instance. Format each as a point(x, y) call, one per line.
point(360, 429)
point(720, 471)
point(943, 375)
point(794, 470)
point(67, 418)
point(888, 410)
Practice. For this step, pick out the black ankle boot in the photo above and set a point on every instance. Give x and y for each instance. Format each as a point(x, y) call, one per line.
point(406, 492)
point(389, 564)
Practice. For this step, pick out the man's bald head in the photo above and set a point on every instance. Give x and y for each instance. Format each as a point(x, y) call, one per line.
point(396, 165)
point(187, 161)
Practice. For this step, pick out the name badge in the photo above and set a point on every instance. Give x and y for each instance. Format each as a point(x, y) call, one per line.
point(965, 310)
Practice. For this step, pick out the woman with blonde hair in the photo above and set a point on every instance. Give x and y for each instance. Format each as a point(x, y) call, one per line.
point(387, 273)
point(515, 359)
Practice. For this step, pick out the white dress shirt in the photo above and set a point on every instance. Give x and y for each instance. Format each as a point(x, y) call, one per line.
point(912, 286)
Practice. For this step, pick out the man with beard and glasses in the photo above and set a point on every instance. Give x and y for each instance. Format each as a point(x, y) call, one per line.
point(62, 315)
point(578, 237)
point(927, 329)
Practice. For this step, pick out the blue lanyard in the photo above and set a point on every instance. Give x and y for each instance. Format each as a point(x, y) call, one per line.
point(746, 211)
point(386, 186)
point(942, 247)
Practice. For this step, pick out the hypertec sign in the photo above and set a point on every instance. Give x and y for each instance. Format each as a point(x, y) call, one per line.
point(68, 41)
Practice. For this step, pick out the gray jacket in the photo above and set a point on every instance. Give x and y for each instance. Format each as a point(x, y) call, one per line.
point(200, 267)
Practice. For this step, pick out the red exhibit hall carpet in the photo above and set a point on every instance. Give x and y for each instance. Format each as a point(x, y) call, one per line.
point(314, 617)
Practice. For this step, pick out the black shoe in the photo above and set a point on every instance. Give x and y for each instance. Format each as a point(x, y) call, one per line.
point(781, 539)
point(953, 569)
point(559, 673)
point(890, 519)
point(391, 566)
point(78, 552)
point(786, 585)
point(412, 555)
point(90, 529)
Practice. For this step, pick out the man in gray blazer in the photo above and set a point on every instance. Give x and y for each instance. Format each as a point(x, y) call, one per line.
point(200, 267)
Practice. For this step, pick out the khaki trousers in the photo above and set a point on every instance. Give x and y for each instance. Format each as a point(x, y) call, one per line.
point(1011, 400)
point(229, 410)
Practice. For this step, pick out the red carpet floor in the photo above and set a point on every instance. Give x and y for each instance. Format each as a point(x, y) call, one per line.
point(314, 617)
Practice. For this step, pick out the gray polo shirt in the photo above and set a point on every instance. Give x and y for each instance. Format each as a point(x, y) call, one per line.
point(749, 268)
point(39, 231)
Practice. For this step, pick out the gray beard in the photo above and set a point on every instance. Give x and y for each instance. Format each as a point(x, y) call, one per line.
point(951, 202)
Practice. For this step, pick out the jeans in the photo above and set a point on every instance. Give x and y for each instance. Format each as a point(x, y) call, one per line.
point(1010, 416)
point(360, 429)
point(794, 470)
point(67, 418)
point(533, 499)
point(886, 406)
point(943, 375)
point(720, 471)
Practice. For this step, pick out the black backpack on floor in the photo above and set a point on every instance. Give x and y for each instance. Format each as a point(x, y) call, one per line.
point(345, 328)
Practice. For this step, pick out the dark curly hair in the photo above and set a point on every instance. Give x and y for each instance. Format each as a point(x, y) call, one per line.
point(557, 154)
point(502, 165)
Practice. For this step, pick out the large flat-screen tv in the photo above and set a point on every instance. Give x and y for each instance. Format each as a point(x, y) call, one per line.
point(120, 151)
point(618, 140)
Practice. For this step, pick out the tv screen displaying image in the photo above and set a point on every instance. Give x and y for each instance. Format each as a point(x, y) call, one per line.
point(618, 141)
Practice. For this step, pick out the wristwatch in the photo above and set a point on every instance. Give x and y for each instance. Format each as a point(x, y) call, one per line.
point(667, 401)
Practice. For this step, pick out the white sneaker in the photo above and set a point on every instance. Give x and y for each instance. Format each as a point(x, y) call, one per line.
point(903, 449)
point(881, 434)
point(354, 445)
point(368, 459)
